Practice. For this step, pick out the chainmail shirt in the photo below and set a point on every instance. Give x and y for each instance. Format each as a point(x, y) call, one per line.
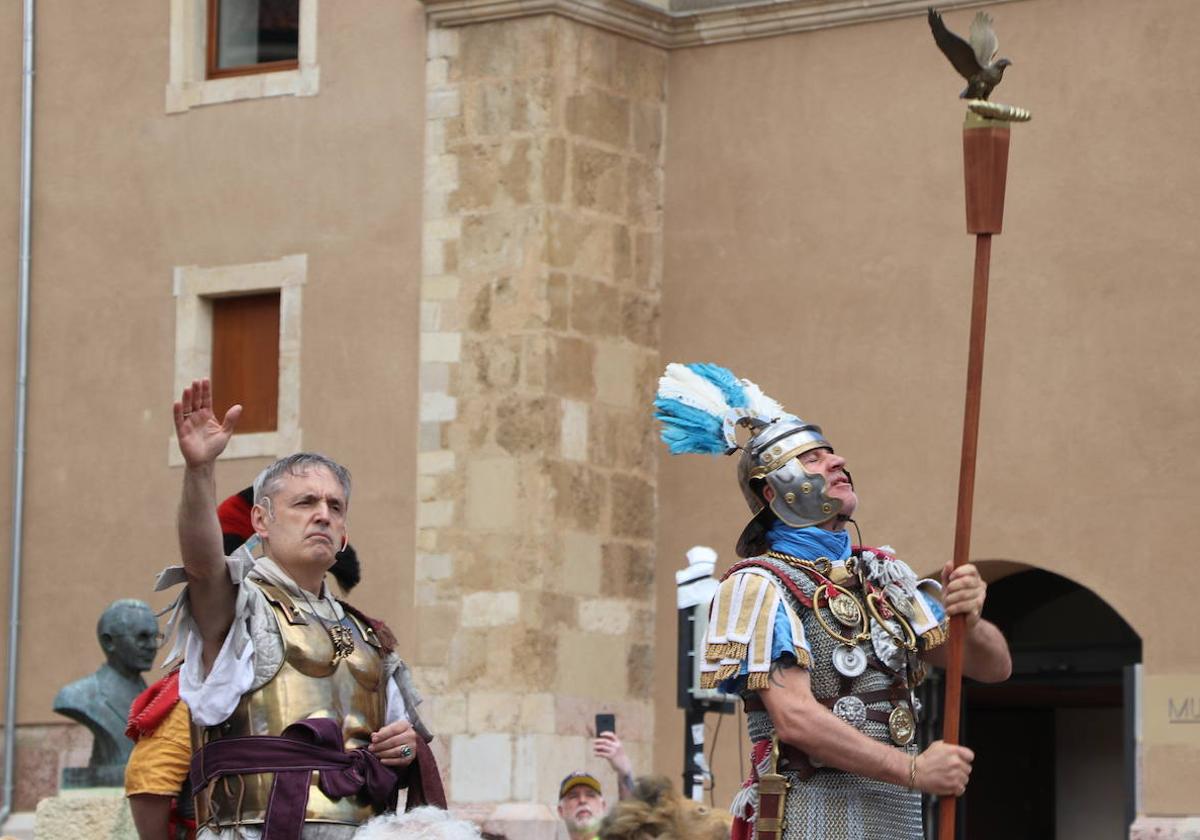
point(832, 804)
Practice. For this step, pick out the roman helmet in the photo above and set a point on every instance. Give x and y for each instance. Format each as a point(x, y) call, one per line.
point(701, 406)
point(771, 457)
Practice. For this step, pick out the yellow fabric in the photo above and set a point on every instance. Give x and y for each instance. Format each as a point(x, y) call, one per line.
point(748, 606)
point(159, 761)
point(760, 648)
point(719, 615)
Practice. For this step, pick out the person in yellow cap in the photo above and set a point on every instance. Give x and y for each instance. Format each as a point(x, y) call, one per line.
point(581, 805)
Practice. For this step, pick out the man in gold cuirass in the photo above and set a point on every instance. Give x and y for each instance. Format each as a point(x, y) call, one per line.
point(304, 720)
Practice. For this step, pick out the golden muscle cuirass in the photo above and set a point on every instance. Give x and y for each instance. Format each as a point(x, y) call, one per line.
point(307, 685)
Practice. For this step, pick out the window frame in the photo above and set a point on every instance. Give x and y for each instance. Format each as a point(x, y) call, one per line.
point(212, 71)
point(188, 85)
point(195, 288)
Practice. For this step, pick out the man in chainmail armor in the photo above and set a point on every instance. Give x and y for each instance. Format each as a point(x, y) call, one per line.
point(824, 641)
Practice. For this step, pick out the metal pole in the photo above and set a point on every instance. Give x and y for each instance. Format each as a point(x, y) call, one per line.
point(693, 775)
point(21, 407)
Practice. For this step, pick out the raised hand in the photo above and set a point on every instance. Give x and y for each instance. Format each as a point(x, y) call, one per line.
point(201, 437)
point(609, 747)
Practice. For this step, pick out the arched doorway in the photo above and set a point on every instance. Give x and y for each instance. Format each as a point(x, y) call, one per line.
point(1054, 745)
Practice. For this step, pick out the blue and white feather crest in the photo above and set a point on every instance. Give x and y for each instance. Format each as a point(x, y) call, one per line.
point(701, 405)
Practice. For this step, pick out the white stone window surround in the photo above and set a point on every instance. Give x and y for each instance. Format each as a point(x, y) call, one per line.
point(188, 88)
point(195, 288)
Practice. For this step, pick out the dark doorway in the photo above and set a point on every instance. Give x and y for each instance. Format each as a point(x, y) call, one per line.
point(1051, 744)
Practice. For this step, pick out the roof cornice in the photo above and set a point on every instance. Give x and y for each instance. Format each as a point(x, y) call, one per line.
point(673, 29)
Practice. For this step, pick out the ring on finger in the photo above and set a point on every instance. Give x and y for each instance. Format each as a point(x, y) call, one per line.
point(406, 751)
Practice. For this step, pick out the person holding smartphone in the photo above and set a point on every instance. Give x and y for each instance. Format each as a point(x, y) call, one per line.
point(581, 802)
point(609, 747)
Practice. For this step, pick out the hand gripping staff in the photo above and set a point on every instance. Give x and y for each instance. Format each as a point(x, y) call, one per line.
point(985, 169)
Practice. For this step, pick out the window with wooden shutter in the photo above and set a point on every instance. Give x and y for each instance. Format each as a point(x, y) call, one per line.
point(239, 325)
point(245, 359)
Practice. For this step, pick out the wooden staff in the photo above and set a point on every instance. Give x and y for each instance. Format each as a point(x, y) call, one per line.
point(985, 167)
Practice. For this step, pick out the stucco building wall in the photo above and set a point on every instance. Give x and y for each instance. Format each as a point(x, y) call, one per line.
point(815, 242)
point(491, 278)
point(814, 186)
point(124, 193)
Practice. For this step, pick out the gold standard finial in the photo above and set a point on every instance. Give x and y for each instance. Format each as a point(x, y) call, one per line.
point(998, 111)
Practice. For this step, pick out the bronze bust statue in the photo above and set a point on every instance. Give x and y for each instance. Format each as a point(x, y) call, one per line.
point(128, 635)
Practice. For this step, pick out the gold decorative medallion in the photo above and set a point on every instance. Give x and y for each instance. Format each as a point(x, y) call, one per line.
point(845, 609)
point(343, 642)
point(901, 726)
point(859, 632)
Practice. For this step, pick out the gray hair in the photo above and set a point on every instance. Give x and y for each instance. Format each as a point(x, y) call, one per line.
point(268, 480)
point(425, 823)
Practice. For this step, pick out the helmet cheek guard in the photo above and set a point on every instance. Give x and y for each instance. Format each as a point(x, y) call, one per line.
point(800, 499)
point(771, 457)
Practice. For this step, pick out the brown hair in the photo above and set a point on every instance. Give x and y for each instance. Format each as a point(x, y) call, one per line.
point(657, 810)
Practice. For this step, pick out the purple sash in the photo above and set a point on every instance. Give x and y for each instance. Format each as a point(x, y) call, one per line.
point(305, 746)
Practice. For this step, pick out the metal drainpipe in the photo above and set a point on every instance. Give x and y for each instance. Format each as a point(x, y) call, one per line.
point(20, 410)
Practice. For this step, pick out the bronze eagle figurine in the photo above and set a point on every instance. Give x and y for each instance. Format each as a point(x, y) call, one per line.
point(974, 60)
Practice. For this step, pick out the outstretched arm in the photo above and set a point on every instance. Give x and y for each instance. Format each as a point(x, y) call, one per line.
point(201, 440)
point(985, 650)
point(609, 747)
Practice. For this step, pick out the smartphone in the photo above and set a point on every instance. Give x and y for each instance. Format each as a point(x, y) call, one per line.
point(605, 723)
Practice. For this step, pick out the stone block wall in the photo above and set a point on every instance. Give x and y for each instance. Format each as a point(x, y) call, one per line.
point(540, 298)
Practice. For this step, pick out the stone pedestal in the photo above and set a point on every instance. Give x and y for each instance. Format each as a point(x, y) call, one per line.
point(97, 814)
point(539, 360)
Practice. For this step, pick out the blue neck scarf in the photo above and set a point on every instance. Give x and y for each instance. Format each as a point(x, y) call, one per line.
point(809, 543)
